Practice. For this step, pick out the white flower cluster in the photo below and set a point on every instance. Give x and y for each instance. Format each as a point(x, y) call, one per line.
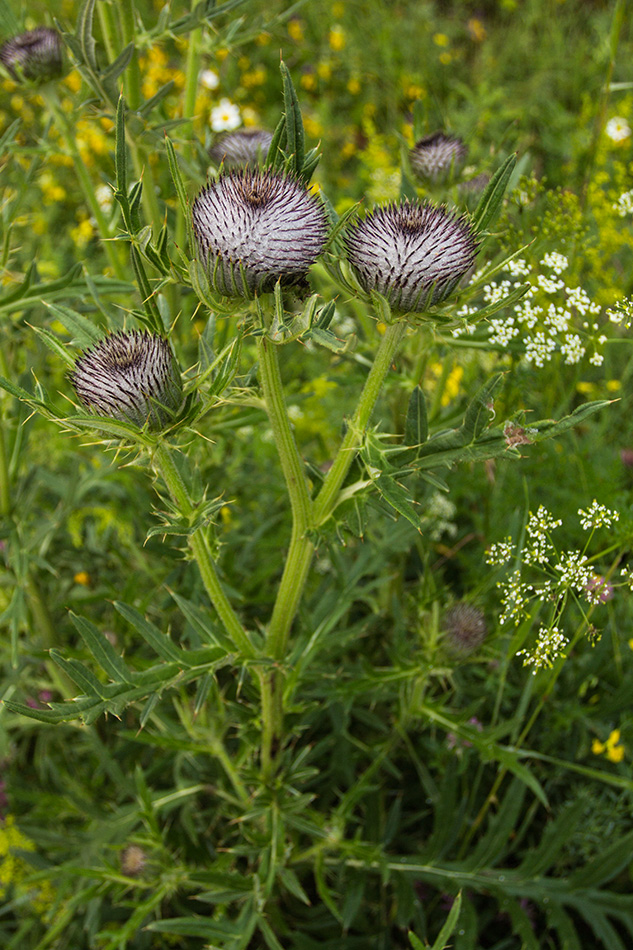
point(549, 646)
point(627, 574)
point(538, 529)
point(564, 574)
point(550, 318)
point(624, 204)
point(501, 552)
point(597, 516)
point(622, 312)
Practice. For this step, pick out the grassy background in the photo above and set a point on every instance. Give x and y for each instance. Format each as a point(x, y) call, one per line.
point(401, 783)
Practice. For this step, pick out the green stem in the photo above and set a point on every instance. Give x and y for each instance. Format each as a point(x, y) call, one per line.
point(108, 30)
point(300, 551)
point(325, 501)
point(5, 493)
point(132, 73)
point(50, 97)
point(291, 463)
point(192, 71)
point(165, 464)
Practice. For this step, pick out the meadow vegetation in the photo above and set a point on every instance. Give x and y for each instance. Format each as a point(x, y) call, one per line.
point(316, 475)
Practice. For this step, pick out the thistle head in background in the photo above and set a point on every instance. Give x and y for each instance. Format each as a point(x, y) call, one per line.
point(256, 227)
point(241, 148)
point(130, 376)
point(412, 252)
point(464, 628)
point(435, 156)
point(36, 55)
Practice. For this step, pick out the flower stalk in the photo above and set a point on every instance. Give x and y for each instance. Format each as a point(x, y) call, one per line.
point(165, 465)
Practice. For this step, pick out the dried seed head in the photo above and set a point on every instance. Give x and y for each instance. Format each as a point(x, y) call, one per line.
point(130, 376)
point(255, 227)
point(241, 148)
point(434, 156)
point(34, 55)
point(414, 253)
point(465, 628)
point(133, 860)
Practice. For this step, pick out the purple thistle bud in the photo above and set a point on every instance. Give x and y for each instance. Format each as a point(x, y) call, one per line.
point(255, 227)
point(34, 55)
point(130, 376)
point(414, 253)
point(241, 148)
point(436, 155)
point(465, 628)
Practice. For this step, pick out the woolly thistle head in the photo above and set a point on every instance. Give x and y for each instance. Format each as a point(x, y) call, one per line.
point(241, 148)
point(36, 55)
point(436, 155)
point(255, 227)
point(412, 252)
point(465, 628)
point(130, 376)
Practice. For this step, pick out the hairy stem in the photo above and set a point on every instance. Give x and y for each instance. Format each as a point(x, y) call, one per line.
point(165, 464)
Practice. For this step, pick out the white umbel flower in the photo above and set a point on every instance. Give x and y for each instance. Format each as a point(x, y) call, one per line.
point(414, 253)
point(130, 376)
point(255, 227)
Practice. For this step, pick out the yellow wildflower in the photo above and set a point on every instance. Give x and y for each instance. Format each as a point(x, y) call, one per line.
point(82, 578)
point(14, 869)
point(441, 39)
point(295, 30)
point(353, 86)
point(337, 38)
point(73, 81)
point(612, 748)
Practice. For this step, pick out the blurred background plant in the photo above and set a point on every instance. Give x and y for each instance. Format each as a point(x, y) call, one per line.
point(421, 757)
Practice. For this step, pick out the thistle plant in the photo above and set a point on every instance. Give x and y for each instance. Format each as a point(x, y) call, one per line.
point(280, 748)
point(437, 156)
point(255, 228)
point(131, 376)
point(413, 253)
point(241, 147)
point(35, 55)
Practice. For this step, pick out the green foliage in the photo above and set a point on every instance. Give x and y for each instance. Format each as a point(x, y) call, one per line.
point(234, 711)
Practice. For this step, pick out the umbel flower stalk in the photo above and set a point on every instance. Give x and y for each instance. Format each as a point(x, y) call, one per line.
point(245, 147)
point(35, 55)
point(435, 156)
point(414, 253)
point(130, 376)
point(257, 227)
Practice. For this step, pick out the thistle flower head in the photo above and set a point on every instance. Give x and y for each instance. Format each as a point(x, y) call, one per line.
point(241, 148)
point(255, 227)
point(414, 253)
point(435, 155)
point(465, 628)
point(34, 55)
point(130, 376)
